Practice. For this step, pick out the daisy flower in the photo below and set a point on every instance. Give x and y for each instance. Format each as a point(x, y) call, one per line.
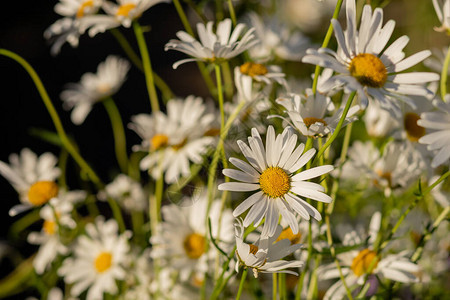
point(438, 122)
point(276, 40)
point(98, 261)
point(308, 113)
point(266, 254)
point(364, 66)
point(181, 237)
point(356, 264)
point(213, 47)
point(272, 174)
point(441, 192)
point(443, 14)
point(110, 76)
point(128, 192)
point(118, 14)
point(32, 177)
point(174, 139)
point(379, 122)
point(56, 213)
point(67, 29)
point(261, 73)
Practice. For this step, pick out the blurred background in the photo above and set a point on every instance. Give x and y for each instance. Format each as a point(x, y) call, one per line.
point(22, 112)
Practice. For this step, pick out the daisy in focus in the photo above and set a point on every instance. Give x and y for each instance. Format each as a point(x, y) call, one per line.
point(266, 254)
point(99, 259)
point(181, 238)
point(121, 14)
point(308, 113)
point(364, 65)
point(32, 177)
point(213, 47)
point(174, 139)
point(442, 8)
point(357, 264)
point(271, 172)
point(67, 29)
point(92, 88)
point(438, 122)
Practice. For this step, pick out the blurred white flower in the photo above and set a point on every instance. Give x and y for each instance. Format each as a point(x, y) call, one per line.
point(176, 138)
point(127, 192)
point(99, 260)
point(442, 8)
point(110, 76)
point(32, 177)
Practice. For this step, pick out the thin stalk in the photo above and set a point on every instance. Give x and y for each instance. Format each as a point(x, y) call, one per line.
point(326, 40)
point(339, 125)
point(274, 286)
point(241, 284)
point(444, 74)
point(410, 207)
point(159, 82)
point(228, 80)
point(149, 81)
point(220, 95)
point(232, 13)
point(282, 288)
point(120, 143)
point(201, 65)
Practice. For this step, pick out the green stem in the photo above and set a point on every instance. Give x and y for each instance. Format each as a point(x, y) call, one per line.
point(159, 82)
point(232, 13)
point(241, 284)
point(410, 207)
point(201, 65)
point(339, 125)
point(444, 74)
point(220, 96)
point(54, 115)
point(427, 235)
point(149, 81)
point(326, 40)
point(274, 286)
point(120, 143)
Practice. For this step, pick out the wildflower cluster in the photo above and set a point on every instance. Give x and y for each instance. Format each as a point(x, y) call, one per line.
point(328, 185)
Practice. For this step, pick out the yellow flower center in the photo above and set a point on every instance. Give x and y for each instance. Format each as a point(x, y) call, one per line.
point(194, 245)
point(363, 261)
point(369, 70)
point(253, 69)
point(179, 145)
point(274, 182)
point(384, 175)
point(288, 234)
point(103, 88)
point(124, 10)
point(83, 7)
point(413, 131)
point(41, 192)
point(49, 227)
point(253, 249)
point(310, 121)
point(158, 141)
point(103, 262)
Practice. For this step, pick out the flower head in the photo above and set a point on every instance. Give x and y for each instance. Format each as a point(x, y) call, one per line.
point(213, 47)
point(266, 254)
point(443, 14)
point(272, 173)
point(175, 138)
point(32, 177)
point(363, 65)
point(110, 76)
point(99, 259)
point(118, 14)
